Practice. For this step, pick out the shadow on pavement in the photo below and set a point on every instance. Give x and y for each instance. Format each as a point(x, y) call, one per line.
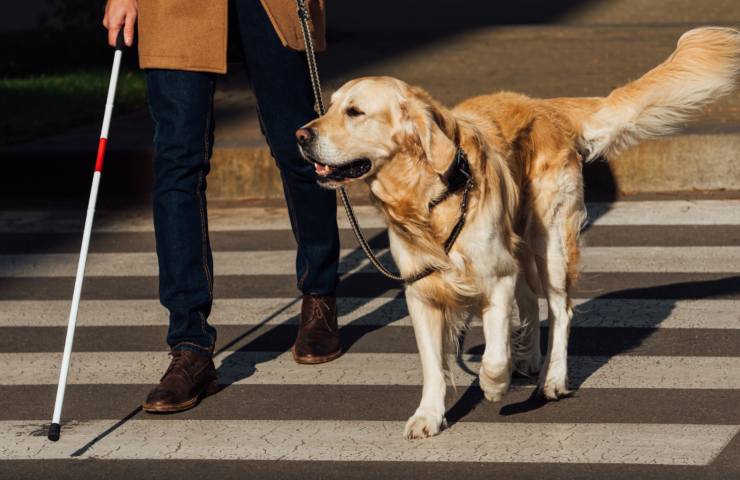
point(473, 396)
point(279, 339)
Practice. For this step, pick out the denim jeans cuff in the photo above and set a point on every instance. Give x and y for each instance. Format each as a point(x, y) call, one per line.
point(193, 347)
point(320, 293)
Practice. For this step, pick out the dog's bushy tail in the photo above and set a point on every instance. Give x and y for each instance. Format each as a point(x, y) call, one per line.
point(704, 66)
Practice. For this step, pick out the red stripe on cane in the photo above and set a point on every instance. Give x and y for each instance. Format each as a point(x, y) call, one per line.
point(101, 154)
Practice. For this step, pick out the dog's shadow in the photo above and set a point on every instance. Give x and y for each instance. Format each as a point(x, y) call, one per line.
point(582, 362)
point(600, 186)
point(591, 345)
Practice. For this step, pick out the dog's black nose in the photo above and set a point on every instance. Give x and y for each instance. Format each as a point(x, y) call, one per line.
point(304, 136)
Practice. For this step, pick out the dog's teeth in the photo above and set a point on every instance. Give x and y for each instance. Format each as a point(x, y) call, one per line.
point(322, 170)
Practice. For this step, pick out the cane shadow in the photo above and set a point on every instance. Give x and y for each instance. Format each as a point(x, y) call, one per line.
point(244, 362)
point(264, 342)
point(586, 357)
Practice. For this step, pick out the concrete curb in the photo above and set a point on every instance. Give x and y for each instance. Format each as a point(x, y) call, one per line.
point(708, 161)
point(251, 173)
point(685, 162)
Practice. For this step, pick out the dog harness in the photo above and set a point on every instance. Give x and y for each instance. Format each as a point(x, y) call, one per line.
point(456, 178)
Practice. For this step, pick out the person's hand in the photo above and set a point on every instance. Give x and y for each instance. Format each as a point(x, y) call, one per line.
point(120, 14)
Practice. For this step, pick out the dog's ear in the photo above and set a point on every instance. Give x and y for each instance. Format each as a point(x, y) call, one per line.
point(432, 126)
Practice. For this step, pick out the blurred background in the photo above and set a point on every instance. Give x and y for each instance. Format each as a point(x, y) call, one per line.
point(54, 67)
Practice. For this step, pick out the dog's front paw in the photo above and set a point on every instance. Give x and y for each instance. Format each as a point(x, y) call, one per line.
point(554, 384)
point(554, 389)
point(494, 381)
point(423, 425)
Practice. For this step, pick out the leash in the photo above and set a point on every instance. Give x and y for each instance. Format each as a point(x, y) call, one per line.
point(452, 182)
point(313, 71)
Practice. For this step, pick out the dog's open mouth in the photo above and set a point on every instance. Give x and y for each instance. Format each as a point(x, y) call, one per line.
point(350, 170)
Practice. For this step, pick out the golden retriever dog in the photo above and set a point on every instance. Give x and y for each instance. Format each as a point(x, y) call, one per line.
point(525, 207)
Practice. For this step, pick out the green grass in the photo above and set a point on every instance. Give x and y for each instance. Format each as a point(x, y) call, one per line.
point(35, 106)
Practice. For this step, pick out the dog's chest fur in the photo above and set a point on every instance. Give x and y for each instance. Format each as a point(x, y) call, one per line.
point(479, 255)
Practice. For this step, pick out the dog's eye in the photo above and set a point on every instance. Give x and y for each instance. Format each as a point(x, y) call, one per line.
point(354, 112)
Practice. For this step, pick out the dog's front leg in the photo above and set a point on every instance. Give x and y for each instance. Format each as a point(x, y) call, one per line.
point(429, 325)
point(495, 368)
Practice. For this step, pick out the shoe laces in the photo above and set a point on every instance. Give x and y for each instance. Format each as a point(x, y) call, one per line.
point(320, 308)
point(320, 311)
point(179, 363)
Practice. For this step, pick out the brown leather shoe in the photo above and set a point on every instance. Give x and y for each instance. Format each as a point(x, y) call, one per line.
point(318, 335)
point(190, 377)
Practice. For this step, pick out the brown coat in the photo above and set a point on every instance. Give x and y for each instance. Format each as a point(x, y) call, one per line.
point(191, 34)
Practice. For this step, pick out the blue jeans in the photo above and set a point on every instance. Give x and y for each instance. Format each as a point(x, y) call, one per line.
point(181, 105)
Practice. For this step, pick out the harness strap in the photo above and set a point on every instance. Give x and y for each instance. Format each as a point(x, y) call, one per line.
point(460, 159)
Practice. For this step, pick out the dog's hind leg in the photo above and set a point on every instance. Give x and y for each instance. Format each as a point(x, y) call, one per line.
point(495, 369)
point(557, 273)
point(526, 339)
point(429, 328)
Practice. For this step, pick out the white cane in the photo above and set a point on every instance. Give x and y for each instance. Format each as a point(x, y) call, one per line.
point(54, 428)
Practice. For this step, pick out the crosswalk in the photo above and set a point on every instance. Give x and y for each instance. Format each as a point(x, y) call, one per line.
point(655, 358)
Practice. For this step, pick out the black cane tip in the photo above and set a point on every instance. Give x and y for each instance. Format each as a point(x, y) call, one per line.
point(54, 431)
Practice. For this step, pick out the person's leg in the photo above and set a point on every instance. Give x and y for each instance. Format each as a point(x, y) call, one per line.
point(181, 107)
point(285, 101)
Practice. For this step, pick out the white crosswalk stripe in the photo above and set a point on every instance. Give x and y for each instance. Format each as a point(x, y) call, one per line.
point(281, 262)
point(375, 441)
point(622, 313)
point(676, 212)
point(33, 365)
point(276, 368)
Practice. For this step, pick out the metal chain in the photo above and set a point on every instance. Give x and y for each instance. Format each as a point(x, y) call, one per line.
point(313, 71)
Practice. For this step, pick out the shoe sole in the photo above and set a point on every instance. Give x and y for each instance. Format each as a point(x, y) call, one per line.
point(314, 359)
point(210, 389)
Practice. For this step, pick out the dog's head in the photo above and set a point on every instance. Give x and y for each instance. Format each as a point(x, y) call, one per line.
point(371, 122)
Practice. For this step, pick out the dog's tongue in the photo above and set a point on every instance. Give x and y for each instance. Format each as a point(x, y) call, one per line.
point(322, 170)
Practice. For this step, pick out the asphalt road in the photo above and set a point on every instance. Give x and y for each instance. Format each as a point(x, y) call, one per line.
point(655, 360)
